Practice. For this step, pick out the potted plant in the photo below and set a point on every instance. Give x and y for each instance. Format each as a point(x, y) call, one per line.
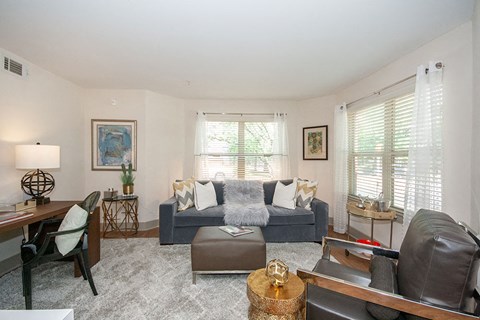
point(127, 178)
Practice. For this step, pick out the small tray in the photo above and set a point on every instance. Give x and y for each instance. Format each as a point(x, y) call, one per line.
point(353, 209)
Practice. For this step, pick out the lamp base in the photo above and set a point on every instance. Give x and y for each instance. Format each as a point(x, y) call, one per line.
point(41, 200)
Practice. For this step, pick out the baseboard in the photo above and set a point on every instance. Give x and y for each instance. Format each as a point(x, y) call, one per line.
point(10, 264)
point(144, 225)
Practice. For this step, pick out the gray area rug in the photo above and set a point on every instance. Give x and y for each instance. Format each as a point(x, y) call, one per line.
point(139, 279)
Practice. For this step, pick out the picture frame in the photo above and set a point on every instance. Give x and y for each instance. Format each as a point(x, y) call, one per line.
point(113, 142)
point(315, 143)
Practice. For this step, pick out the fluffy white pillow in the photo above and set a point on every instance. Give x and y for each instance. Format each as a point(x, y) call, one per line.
point(205, 196)
point(284, 196)
point(75, 218)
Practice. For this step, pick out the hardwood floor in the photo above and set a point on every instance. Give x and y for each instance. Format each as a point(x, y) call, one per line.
point(339, 254)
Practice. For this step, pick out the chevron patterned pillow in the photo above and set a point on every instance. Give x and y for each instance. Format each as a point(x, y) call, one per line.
point(306, 191)
point(184, 193)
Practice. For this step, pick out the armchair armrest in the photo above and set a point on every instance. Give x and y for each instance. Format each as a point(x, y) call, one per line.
point(50, 235)
point(380, 297)
point(356, 246)
point(40, 229)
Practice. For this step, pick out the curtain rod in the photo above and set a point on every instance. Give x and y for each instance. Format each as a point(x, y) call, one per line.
point(438, 65)
point(376, 93)
point(242, 113)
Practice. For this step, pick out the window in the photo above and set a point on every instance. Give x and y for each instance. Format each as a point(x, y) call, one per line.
point(243, 149)
point(378, 149)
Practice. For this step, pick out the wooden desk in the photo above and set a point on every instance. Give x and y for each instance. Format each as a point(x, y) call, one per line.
point(59, 209)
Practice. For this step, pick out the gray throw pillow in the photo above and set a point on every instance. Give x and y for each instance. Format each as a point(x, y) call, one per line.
point(384, 277)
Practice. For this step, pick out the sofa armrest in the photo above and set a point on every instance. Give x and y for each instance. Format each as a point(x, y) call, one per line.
point(167, 211)
point(320, 210)
point(380, 297)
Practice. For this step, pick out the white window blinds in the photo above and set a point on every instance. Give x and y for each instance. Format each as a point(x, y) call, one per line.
point(378, 149)
point(239, 149)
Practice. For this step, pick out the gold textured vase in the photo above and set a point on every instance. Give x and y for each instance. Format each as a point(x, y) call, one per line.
point(128, 189)
point(277, 272)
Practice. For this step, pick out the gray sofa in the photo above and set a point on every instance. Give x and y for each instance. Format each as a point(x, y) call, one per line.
point(285, 225)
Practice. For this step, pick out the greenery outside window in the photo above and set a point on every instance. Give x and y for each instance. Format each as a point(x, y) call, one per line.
point(379, 138)
point(243, 147)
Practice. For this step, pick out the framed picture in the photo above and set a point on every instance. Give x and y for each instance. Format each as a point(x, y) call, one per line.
point(315, 143)
point(114, 142)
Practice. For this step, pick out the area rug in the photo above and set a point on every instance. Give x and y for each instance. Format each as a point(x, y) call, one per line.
point(139, 279)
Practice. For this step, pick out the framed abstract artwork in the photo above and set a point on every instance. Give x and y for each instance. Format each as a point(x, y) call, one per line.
point(315, 143)
point(113, 142)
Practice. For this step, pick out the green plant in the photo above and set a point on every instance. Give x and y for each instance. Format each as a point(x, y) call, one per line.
point(127, 176)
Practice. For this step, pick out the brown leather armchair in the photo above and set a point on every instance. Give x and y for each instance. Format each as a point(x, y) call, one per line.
point(433, 276)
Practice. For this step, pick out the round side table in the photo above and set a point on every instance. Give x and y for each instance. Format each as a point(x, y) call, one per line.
point(274, 303)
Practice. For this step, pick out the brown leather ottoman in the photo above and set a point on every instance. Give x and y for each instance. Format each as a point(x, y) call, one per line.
point(215, 251)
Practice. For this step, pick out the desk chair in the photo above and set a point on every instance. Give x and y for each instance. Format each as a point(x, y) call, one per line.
point(42, 248)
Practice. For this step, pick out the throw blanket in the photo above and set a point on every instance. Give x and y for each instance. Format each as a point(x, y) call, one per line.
point(244, 203)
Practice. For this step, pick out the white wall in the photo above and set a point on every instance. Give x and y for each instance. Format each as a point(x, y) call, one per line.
point(235, 106)
point(454, 49)
point(41, 107)
point(160, 141)
point(311, 113)
point(475, 211)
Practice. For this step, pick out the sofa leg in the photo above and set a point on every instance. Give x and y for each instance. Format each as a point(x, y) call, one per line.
point(194, 277)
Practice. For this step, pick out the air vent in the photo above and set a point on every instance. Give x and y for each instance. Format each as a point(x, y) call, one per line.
point(13, 66)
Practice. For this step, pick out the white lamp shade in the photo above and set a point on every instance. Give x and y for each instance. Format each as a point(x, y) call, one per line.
point(37, 156)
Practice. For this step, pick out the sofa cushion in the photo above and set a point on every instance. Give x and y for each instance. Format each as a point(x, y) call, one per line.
point(269, 189)
point(193, 218)
point(438, 262)
point(281, 216)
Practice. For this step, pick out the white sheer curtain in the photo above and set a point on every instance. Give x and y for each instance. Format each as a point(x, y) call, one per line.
point(281, 161)
point(340, 169)
point(424, 187)
point(201, 145)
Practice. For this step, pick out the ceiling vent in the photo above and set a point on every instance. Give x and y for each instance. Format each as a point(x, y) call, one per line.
point(14, 66)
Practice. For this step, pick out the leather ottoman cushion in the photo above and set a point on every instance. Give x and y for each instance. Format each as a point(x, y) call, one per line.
point(215, 250)
point(438, 262)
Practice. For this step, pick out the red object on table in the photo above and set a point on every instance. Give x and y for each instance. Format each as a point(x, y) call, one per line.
point(367, 241)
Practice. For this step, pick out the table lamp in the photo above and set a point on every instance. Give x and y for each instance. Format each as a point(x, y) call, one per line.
point(37, 183)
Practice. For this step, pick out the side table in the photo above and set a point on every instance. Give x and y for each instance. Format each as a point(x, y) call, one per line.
point(274, 303)
point(120, 214)
point(352, 209)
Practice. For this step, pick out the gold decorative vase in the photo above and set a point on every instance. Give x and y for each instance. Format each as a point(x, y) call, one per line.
point(277, 272)
point(128, 189)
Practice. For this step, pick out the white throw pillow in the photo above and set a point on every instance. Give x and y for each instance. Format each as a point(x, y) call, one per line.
point(205, 196)
point(284, 196)
point(75, 218)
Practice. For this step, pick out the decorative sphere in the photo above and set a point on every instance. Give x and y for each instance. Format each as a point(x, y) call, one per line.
point(277, 272)
point(37, 183)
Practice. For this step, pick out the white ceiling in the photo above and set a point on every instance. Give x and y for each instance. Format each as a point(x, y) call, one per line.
point(223, 49)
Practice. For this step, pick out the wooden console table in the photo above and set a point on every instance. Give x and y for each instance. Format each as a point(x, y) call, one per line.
point(58, 209)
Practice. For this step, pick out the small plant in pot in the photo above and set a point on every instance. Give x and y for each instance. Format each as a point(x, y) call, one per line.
point(127, 178)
